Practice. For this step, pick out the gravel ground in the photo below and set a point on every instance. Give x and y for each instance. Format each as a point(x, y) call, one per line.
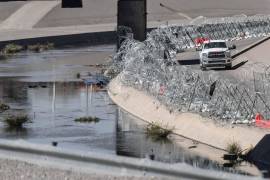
point(18, 170)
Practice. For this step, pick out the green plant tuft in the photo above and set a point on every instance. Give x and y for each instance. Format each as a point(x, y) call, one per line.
point(40, 47)
point(156, 131)
point(11, 49)
point(4, 107)
point(16, 121)
point(234, 148)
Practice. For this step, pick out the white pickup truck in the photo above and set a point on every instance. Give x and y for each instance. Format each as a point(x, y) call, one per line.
point(216, 53)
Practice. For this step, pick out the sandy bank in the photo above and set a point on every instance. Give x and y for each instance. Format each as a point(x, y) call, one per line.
point(186, 124)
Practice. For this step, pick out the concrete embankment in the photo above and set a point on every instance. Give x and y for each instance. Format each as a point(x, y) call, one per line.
point(190, 125)
point(57, 36)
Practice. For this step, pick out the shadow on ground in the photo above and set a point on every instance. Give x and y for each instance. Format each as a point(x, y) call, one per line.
point(189, 62)
point(234, 67)
point(197, 62)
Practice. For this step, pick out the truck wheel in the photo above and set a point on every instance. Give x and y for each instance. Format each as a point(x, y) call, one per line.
point(203, 68)
point(229, 66)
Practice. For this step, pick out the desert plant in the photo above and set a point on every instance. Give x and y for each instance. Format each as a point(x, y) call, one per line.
point(156, 131)
point(10, 49)
point(16, 121)
point(88, 119)
point(234, 148)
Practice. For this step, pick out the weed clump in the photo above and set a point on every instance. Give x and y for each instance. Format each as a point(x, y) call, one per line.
point(11, 49)
point(4, 107)
point(156, 131)
point(234, 148)
point(16, 121)
point(87, 119)
point(40, 47)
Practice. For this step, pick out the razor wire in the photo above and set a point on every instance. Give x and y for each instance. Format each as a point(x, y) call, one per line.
point(149, 66)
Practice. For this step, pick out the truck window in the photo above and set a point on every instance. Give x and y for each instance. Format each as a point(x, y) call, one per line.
point(215, 45)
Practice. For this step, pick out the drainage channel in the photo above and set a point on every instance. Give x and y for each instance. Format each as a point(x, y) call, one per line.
point(40, 86)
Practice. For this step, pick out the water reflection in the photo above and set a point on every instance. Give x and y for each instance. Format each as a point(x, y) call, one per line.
point(17, 131)
point(132, 141)
point(53, 106)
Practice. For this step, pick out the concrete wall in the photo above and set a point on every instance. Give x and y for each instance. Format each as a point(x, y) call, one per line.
point(97, 38)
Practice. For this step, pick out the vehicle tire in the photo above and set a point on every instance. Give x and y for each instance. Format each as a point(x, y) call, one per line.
point(203, 68)
point(229, 66)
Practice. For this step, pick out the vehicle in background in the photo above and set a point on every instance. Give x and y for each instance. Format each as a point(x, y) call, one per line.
point(215, 53)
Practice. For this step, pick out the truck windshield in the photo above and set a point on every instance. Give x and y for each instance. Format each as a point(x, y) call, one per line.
point(215, 45)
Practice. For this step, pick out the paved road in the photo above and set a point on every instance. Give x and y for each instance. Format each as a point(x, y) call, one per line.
point(191, 57)
point(28, 15)
point(259, 54)
point(101, 15)
point(254, 60)
point(104, 11)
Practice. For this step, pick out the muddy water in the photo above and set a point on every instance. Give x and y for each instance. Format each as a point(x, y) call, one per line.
point(44, 86)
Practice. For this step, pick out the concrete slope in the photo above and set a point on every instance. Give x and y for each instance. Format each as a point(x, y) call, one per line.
point(192, 126)
point(28, 15)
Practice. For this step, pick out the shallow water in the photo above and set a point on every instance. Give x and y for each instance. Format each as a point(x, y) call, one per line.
point(55, 65)
point(31, 84)
point(53, 114)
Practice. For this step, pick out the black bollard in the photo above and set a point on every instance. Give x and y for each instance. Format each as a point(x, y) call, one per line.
point(72, 4)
